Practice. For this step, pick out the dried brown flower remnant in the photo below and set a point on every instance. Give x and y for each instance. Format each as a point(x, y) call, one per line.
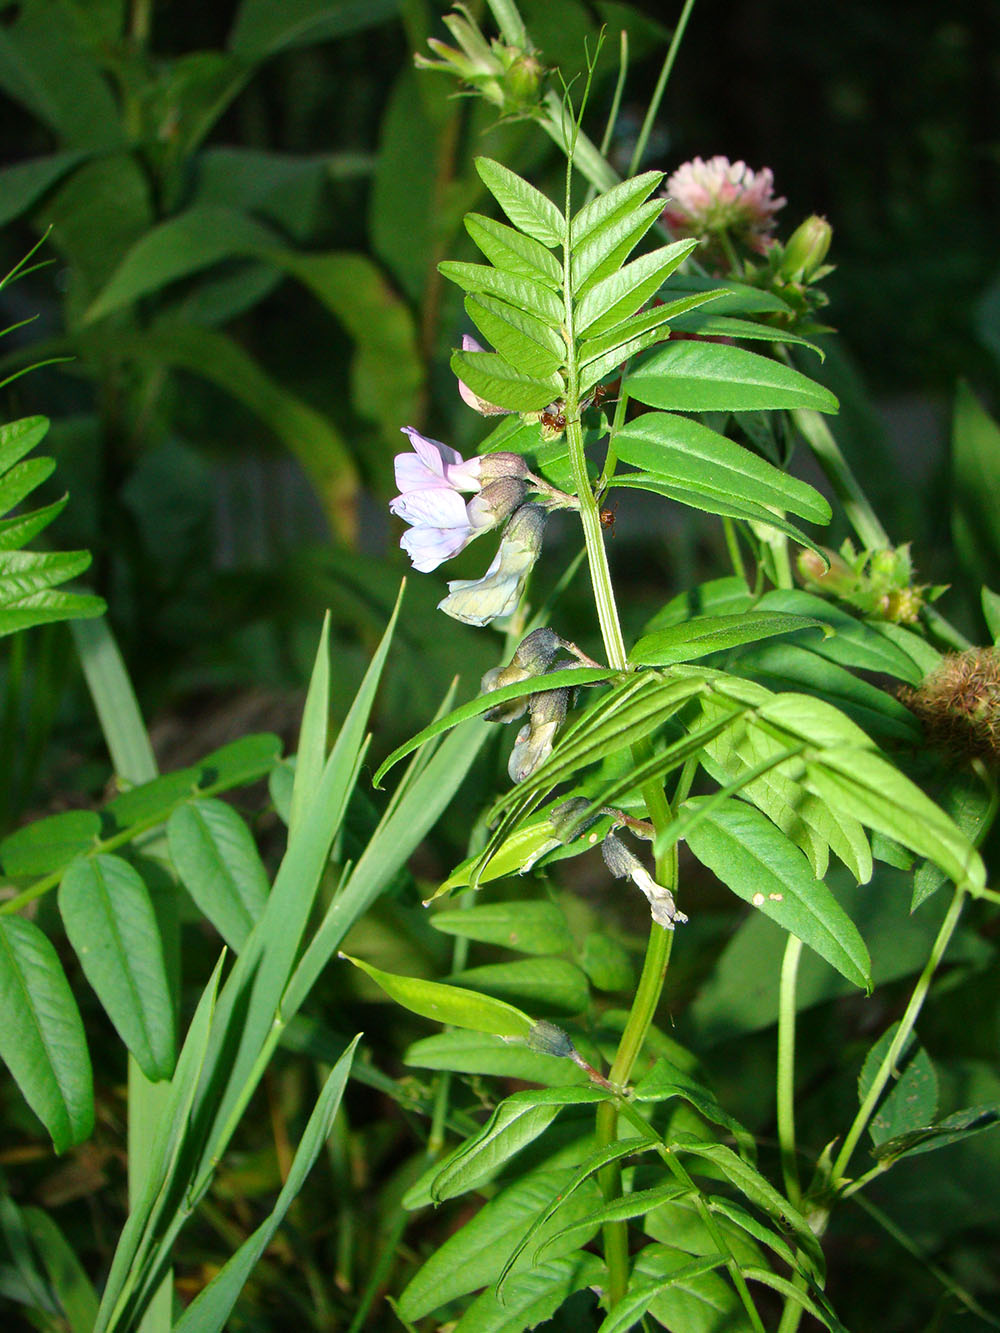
point(959, 705)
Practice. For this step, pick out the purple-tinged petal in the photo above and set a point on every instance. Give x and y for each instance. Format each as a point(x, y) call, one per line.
point(430, 547)
point(432, 508)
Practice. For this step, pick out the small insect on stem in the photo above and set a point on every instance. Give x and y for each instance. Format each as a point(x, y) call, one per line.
point(608, 518)
point(554, 421)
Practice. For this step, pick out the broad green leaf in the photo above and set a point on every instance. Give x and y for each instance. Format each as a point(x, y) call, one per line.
point(734, 298)
point(868, 787)
point(528, 927)
point(608, 248)
point(683, 451)
point(570, 676)
point(513, 252)
point(761, 866)
point(22, 479)
point(515, 1123)
point(545, 984)
point(18, 438)
point(712, 634)
point(532, 1298)
point(217, 861)
point(621, 294)
point(710, 377)
point(608, 208)
point(474, 1256)
point(212, 1307)
point(598, 368)
point(240, 762)
point(718, 597)
point(912, 1099)
point(952, 1129)
point(711, 325)
point(27, 589)
point(712, 501)
point(48, 844)
point(262, 29)
point(853, 642)
point(968, 802)
point(454, 1005)
point(41, 1037)
point(801, 667)
point(523, 293)
point(531, 347)
point(606, 963)
point(182, 245)
point(528, 209)
point(111, 924)
point(481, 1053)
point(23, 184)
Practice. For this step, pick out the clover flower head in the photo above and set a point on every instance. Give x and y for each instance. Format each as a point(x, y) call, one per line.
point(624, 864)
point(706, 198)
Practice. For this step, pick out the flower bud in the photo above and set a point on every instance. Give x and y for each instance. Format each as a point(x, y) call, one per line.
point(496, 502)
point(493, 467)
point(564, 819)
point(535, 739)
point(550, 1040)
point(533, 657)
point(497, 593)
point(959, 705)
point(806, 249)
point(623, 864)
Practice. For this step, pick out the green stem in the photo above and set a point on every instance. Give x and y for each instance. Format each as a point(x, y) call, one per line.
point(509, 21)
point(906, 1025)
point(786, 1070)
point(661, 86)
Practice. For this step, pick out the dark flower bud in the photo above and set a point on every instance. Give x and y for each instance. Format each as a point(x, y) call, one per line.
point(495, 502)
point(564, 819)
point(533, 657)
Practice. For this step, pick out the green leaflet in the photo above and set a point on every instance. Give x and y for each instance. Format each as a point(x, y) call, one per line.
point(453, 1005)
point(497, 382)
point(761, 866)
point(911, 1101)
point(607, 248)
point(712, 634)
point(530, 345)
point(514, 253)
point(709, 377)
point(528, 927)
point(547, 985)
point(528, 209)
point(111, 924)
point(607, 209)
point(42, 1040)
point(532, 297)
point(218, 863)
point(621, 294)
point(466, 1052)
point(684, 452)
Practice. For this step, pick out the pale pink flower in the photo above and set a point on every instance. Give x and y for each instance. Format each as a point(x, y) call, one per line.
point(706, 198)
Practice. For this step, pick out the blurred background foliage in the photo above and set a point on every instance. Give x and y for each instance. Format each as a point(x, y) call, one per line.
point(245, 205)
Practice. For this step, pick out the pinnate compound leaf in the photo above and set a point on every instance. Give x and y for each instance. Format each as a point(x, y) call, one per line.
point(453, 1005)
point(111, 924)
point(513, 252)
point(688, 376)
point(819, 1307)
point(853, 643)
point(528, 209)
point(41, 1037)
point(211, 1308)
point(683, 451)
point(640, 325)
point(763, 867)
point(528, 927)
point(665, 1081)
point(218, 863)
point(474, 1256)
point(712, 634)
point(604, 252)
point(620, 294)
